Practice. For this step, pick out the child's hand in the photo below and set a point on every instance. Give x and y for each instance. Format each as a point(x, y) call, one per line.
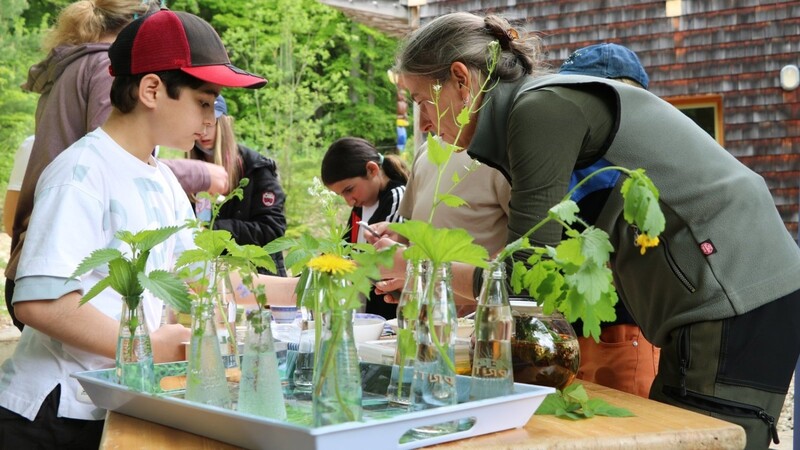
point(218, 180)
point(168, 343)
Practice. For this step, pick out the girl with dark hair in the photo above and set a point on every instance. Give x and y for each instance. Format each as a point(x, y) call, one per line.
point(373, 184)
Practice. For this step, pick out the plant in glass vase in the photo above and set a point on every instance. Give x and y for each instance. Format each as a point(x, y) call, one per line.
point(127, 276)
point(210, 264)
point(572, 277)
point(342, 273)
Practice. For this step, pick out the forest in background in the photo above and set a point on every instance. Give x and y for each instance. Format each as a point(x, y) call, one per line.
point(327, 79)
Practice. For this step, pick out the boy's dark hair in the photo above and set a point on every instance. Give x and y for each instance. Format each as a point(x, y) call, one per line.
point(125, 88)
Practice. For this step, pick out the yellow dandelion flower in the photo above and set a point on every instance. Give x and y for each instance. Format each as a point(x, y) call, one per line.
point(332, 264)
point(644, 241)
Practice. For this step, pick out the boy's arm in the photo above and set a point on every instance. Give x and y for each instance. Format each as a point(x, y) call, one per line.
point(88, 329)
point(82, 327)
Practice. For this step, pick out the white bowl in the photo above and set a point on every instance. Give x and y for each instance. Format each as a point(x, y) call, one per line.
point(364, 328)
point(283, 314)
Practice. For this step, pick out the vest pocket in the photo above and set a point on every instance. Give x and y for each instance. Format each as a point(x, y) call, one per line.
point(723, 407)
point(673, 265)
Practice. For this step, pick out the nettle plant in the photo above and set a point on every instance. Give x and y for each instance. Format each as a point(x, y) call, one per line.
point(217, 254)
point(572, 277)
point(127, 272)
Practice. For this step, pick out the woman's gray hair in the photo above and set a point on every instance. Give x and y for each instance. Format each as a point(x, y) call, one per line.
point(465, 37)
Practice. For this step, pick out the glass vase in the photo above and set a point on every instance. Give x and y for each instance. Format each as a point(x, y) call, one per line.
point(205, 375)
point(225, 315)
point(399, 391)
point(434, 382)
point(134, 358)
point(260, 390)
point(337, 391)
point(303, 376)
point(492, 374)
point(544, 347)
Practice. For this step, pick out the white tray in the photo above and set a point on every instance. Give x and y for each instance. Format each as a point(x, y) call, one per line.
point(245, 430)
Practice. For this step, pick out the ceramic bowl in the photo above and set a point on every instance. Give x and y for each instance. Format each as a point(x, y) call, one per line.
point(283, 314)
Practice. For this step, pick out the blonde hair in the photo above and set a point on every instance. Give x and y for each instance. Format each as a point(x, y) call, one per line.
point(87, 21)
point(225, 152)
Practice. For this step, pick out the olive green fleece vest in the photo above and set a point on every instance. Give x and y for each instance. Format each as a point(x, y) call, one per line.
point(725, 249)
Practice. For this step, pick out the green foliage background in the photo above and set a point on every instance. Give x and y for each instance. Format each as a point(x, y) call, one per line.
point(327, 79)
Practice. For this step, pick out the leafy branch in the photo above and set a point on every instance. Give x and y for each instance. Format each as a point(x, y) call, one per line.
point(574, 403)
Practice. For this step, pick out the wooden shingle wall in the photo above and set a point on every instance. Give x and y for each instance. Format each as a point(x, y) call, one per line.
point(731, 48)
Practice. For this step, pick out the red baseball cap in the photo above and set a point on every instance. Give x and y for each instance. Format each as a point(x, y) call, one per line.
point(174, 40)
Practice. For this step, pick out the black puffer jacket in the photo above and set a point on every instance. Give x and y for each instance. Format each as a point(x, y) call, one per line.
point(259, 217)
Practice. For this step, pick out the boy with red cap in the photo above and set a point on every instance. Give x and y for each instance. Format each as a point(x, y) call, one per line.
point(168, 67)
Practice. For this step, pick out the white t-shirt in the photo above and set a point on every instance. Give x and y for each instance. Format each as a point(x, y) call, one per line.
point(20, 164)
point(88, 193)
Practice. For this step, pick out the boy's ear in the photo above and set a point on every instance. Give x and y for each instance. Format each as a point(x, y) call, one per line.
point(149, 90)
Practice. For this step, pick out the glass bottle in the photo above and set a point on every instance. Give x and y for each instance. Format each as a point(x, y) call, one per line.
point(337, 375)
point(304, 365)
point(134, 358)
point(226, 319)
point(492, 371)
point(544, 347)
point(399, 391)
point(260, 390)
point(434, 382)
point(205, 374)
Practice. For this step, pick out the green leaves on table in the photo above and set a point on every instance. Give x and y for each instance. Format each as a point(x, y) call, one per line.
point(574, 403)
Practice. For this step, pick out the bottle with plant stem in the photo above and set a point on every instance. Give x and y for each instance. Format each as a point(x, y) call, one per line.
point(492, 374)
point(134, 358)
point(226, 319)
point(434, 382)
point(304, 366)
point(205, 375)
point(260, 390)
point(399, 391)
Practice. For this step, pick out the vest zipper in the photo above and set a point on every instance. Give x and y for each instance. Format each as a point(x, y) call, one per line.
point(725, 407)
point(675, 268)
point(683, 349)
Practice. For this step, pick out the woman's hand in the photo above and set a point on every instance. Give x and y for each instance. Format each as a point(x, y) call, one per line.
point(382, 229)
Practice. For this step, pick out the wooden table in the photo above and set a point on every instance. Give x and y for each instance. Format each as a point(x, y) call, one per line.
point(656, 426)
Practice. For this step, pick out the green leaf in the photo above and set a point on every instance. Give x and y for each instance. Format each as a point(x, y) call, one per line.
point(602, 408)
point(168, 288)
point(99, 287)
point(452, 201)
point(595, 245)
point(190, 257)
point(440, 245)
point(96, 259)
point(641, 206)
point(213, 242)
point(565, 211)
point(437, 154)
point(574, 403)
point(551, 404)
point(122, 277)
point(463, 117)
point(147, 239)
point(405, 342)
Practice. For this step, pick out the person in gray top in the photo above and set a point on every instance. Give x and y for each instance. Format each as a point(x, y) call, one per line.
point(720, 295)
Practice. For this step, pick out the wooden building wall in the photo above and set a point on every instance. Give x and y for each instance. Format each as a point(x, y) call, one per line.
point(731, 48)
